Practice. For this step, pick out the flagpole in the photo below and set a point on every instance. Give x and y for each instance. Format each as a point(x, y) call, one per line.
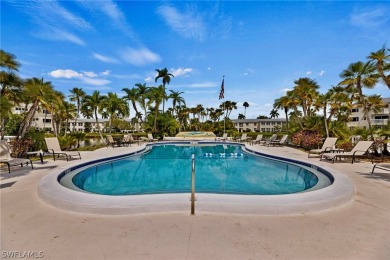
point(224, 118)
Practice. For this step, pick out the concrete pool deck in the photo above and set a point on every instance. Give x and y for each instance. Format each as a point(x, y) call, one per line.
point(357, 230)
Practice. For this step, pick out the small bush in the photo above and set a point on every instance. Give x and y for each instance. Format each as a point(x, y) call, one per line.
point(307, 139)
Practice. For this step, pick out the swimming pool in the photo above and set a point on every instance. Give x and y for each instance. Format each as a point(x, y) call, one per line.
point(221, 169)
point(54, 193)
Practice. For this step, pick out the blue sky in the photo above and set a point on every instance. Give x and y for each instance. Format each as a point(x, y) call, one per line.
point(260, 47)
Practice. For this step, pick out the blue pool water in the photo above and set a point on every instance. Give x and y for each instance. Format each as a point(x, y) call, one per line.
point(223, 169)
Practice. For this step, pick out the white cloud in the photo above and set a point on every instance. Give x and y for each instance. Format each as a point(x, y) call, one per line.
point(369, 18)
point(322, 72)
point(65, 74)
point(180, 71)
point(90, 74)
point(140, 57)
point(248, 71)
point(285, 90)
point(207, 84)
point(87, 77)
point(308, 72)
point(105, 73)
point(95, 82)
point(188, 24)
point(149, 79)
point(105, 59)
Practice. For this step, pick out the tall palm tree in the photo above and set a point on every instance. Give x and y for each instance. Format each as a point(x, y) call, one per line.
point(166, 79)
point(77, 94)
point(283, 103)
point(372, 105)
point(177, 100)
point(39, 92)
point(133, 96)
point(156, 96)
point(241, 116)
point(142, 96)
point(10, 86)
point(115, 107)
point(306, 91)
point(381, 59)
point(274, 113)
point(68, 111)
point(359, 75)
point(246, 105)
point(91, 105)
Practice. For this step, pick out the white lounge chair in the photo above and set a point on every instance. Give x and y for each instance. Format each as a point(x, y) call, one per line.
point(258, 139)
point(268, 141)
point(327, 146)
point(280, 142)
point(149, 138)
point(360, 149)
point(112, 142)
point(5, 157)
point(53, 147)
point(223, 138)
point(244, 138)
point(382, 166)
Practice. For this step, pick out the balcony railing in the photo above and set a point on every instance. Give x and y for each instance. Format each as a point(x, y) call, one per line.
point(379, 121)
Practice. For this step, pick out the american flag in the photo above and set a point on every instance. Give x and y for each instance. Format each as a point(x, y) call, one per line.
point(222, 92)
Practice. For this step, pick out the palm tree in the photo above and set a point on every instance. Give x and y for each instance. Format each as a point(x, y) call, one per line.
point(283, 103)
point(91, 105)
point(359, 75)
point(142, 96)
point(305, 91)
point(68, 111)
point(176, 100)
point(114, 107)
point(372, 105)
point(39, 92)
point(10, 86)
point(274, 113)
point(77, 94)
point(156, 96)
point(246, 105)
point(133, 96)
point(241, 116)
point(166, 79)
point(381, 59)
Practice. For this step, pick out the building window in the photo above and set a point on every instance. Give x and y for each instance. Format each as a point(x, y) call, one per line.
point(240, 124)
point(355, 110)
point(46, 120)
point(80, 124)
point(255, 124)
point(354, 119)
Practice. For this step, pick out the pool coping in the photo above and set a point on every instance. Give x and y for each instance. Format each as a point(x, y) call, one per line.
point(52, 192)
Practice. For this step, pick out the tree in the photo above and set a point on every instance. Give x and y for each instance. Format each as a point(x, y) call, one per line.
point(156, 97)
point(381, 59)
point(177, 100)
point(10, 86)
point(39, 92)
point(142, 96)
point(241, 116)
point(115, 107)
point(305, 92)
point(372, 105)
point(133, 96)
point(274, 113)
point(77, 94)
point(166, 79)
point(91, 105)
point(246, 105)
point(283, 103)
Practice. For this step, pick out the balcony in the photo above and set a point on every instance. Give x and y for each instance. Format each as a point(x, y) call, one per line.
point(379, 121)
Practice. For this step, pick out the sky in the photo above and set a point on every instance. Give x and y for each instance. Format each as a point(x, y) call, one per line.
point(260, 47)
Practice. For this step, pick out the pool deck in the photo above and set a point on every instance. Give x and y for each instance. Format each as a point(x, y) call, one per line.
point(357, 230)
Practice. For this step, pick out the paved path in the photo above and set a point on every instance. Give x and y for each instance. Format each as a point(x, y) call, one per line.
point(357, 230)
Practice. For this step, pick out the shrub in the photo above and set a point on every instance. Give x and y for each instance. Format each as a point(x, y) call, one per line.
point(307, 139)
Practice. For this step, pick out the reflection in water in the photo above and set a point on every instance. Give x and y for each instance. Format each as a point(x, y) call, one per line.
point(219, 169)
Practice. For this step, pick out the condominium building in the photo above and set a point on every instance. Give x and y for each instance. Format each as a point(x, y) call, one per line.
point(42, 120)
point(357, 118)
point(259, 125)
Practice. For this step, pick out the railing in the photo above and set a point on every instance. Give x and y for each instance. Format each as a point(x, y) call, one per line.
point(379, 121)
point(193, 186)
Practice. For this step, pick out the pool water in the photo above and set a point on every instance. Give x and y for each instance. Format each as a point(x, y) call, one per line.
point(222, 169)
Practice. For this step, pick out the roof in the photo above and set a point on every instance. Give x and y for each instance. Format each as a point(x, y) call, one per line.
point(259, 120)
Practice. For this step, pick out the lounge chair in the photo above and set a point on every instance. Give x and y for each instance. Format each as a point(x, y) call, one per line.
point(223, 138)
point(53, 147)
point(149, 138)
point(5, 157)
point(112, 142)
point(327, 146)
point(268, 141)
point(280, 142)
point(244, 138)
point(258, 139)
point(382, 166)
point(128, 140)
point(360, 149)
